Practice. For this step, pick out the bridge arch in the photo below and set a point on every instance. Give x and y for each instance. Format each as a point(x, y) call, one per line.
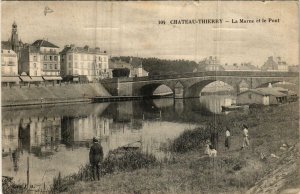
point(194, 90)
point(148, 89)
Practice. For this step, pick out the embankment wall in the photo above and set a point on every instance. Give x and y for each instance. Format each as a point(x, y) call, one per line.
point(15, 96)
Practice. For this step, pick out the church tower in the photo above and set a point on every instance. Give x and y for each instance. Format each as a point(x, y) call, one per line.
point(14, 38)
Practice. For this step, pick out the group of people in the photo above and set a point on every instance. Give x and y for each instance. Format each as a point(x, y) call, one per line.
point(96, 150)
point(211, 144)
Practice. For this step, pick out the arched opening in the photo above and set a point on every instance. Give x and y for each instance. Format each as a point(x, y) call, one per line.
point(217, 87)
point(156, 91)
point(212, 95)
point(208, 87)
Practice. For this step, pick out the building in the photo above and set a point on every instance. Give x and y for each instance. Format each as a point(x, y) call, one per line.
point(262, 96)
point(9, 66)
point(132, 69)
point(293, 68)
point(14, 43)
point(137, 68)
point(84, 63)
point(213, 64)
point(274, 64)
point(41, 61)
point(209, 64)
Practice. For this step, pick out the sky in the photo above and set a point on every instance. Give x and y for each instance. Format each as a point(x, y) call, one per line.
point(131, 28)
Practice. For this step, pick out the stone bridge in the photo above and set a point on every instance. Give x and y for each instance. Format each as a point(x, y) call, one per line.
point(188, 85)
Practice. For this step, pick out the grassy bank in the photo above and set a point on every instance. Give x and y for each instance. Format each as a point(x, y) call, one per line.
point(233, 171)
point(118, 160)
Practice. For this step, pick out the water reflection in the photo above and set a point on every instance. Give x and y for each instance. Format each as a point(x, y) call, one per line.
point(57, 139)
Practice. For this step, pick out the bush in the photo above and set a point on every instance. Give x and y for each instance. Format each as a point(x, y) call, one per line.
point(9, 186)
point(121, 160)
point(189, 140)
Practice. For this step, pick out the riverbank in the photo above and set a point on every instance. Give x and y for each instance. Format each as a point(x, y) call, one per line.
point(65, 93)
point(233, 171)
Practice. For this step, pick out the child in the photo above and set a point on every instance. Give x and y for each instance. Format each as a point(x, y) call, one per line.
point(227, 138)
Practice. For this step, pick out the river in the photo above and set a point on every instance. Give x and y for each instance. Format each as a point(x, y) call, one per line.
point(57, 138)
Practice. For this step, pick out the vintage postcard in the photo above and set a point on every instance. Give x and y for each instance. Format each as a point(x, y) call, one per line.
point(150, 97)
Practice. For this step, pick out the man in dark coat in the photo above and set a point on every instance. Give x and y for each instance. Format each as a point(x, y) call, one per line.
point(96, 157)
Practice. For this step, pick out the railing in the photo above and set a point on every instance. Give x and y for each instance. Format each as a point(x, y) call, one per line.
point(203, 74)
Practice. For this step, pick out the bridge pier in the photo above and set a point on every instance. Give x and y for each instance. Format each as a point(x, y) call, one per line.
point(178, 91)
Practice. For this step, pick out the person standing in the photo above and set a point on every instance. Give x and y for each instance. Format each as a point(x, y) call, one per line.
point(96, 157)
point(246, 142)
point(227, 138)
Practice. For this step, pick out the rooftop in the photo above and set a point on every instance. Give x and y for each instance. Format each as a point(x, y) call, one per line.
point(266, 92)
point(85, 49)
point(44, 43)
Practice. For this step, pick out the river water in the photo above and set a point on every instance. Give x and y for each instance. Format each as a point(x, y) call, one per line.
point(56, 139)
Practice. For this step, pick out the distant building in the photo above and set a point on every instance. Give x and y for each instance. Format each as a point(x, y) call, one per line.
point(213, 64)
point(209, 64)
point(14, 43)
point(135, 67)
point(294, 68)
point(87, 62)
point(40, 61)
point(9, 66)
point(262, 96)
point(274, 64)
point(9, 62)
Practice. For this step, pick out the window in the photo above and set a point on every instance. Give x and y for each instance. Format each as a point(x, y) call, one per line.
point(55, 66)
point(45, 57)
point(70, 72)
point(75, 64)
point(50, 58)
point(35, 73)
point(76, 72)
point(45, 66)
point(34, 65)
point(249, 96)
point(55, 58)
point(70, 57)
point(75, 57)
point(34, 58)
point(70, 65)
point(50, 66)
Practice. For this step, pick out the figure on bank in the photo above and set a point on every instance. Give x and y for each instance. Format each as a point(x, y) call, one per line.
point(246, 142)
point(96, 157)
point(227, 138)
